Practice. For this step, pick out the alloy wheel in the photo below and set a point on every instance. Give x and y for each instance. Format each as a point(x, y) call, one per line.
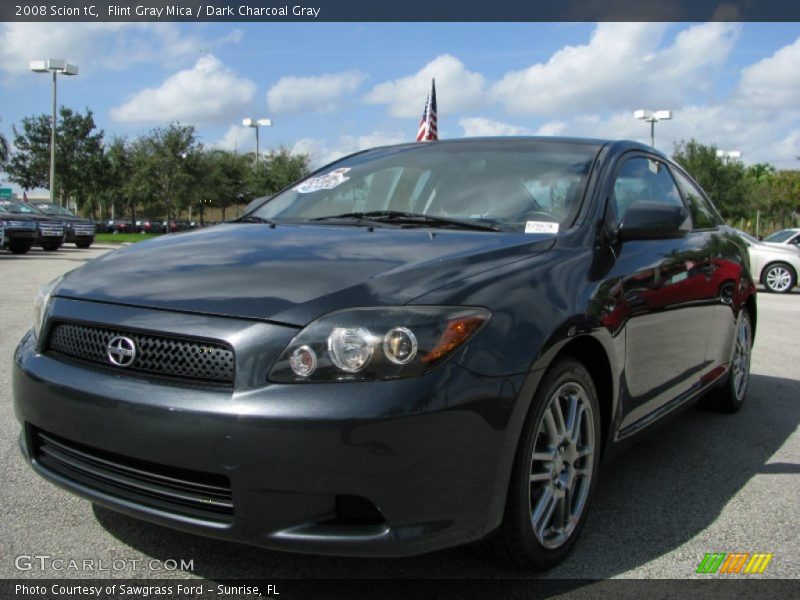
point(778, 279)
point(561, 465)
point(741, 358)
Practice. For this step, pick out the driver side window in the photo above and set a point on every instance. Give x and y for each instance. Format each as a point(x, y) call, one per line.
point(643, 179)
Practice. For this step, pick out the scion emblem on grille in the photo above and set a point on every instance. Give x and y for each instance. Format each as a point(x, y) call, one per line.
point(121, 351)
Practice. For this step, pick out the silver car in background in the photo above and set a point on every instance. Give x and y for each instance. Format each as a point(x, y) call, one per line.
point(774, 266)
point(789, 238)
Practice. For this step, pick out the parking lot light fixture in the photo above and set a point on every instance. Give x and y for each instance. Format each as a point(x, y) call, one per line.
point(256, 124)
point(54, 66)
point(652, 117)
point(727, 155)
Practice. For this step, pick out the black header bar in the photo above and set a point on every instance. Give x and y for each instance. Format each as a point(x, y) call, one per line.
point(399, 11)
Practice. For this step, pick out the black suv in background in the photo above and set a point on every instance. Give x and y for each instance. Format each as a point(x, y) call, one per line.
point(77, 230)
point(49, 230)
point(17, 231)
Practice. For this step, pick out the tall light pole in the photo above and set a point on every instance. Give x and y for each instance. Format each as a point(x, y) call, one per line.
point(653, 117)
point(726, 155)
point(255, 124)
point(54, 66)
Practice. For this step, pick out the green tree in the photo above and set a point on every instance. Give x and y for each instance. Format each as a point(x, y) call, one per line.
point(224, 180)
point(759, 171)
point(724, 181)
point(119, 189)
point(3, 150)
point(165, 167)
point(784, 189)
point(79, 155)
point(279, 169)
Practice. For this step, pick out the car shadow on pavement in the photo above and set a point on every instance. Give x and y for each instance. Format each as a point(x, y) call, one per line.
point(64, 254)
point(649, 500)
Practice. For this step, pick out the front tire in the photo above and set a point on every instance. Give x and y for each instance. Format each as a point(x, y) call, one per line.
point(554, 471)
point(20, 247)
point(51, 246)
point(779, 278)
point(84, 243)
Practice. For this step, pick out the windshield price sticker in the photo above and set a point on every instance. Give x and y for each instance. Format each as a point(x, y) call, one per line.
point(323, 182)
point(541, 227)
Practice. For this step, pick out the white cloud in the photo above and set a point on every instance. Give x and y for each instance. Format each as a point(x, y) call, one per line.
point(773, 82)
point(622, 65)
point(720, 125)
point(115, 46)
point(322, 153)
point(205, 93)
point(456, 89)
point(237, 139)
point(552, 128)
point(481, 126)
point(322, 93)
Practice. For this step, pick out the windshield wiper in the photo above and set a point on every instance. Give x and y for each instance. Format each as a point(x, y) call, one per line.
point(405, 218)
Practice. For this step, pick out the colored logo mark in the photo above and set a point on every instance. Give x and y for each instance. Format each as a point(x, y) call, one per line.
point(734, 562)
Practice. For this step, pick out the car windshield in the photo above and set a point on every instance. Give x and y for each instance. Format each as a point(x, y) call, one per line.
point(780, 236)
point(513, 185)
point(749, 237)
point(54, 209)
point(18, 208)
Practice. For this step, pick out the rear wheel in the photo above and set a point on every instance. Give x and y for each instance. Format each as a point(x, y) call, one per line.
point(731, 395)
point(554, 471)
point(779, 278)
point(19, 247)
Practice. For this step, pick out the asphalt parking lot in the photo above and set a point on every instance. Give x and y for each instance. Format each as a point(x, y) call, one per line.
point(703, 483)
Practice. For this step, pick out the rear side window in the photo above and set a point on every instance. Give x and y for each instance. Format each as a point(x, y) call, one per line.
point(642, 178)
point(703, 214)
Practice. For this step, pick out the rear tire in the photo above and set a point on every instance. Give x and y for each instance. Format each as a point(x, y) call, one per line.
point(554, 472)
point(730, 396)
point(779, 278)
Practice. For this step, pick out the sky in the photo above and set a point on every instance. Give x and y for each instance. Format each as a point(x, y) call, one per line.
point(335, 88)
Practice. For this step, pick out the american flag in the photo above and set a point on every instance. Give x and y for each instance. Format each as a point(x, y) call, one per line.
point(428, 126)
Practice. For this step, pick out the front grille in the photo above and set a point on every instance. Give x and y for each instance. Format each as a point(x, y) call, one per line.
point(83, 230)
point(180, 491)
point(20, 225)
point(51, 229)
point(202, 361)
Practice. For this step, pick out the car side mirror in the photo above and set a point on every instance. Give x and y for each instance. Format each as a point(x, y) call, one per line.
point(649, 220)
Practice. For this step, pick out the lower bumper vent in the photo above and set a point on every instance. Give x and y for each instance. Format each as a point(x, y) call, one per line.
point(191, 493)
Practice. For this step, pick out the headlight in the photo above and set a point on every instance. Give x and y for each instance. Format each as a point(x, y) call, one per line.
point(376, 343)
point(41, 303)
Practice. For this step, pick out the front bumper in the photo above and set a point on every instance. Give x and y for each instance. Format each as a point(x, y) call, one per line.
point(79, 232)
point(50, 231)
point(432, 454)
point(19, 234)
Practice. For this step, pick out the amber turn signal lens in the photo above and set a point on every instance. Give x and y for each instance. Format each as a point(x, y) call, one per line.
point(456, 333)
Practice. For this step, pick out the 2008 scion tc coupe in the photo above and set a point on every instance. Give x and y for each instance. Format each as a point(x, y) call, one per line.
point(415, 347)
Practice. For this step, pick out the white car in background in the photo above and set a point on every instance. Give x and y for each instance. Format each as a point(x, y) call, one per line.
point(785, 237)
point(772, 265)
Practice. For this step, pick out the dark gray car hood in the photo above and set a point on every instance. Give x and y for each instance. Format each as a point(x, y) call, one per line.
point(292, 273)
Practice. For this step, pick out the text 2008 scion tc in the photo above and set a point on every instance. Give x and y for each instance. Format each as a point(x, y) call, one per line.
point(418, 346)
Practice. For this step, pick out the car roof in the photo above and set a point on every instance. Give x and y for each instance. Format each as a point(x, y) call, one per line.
point(614, 146)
